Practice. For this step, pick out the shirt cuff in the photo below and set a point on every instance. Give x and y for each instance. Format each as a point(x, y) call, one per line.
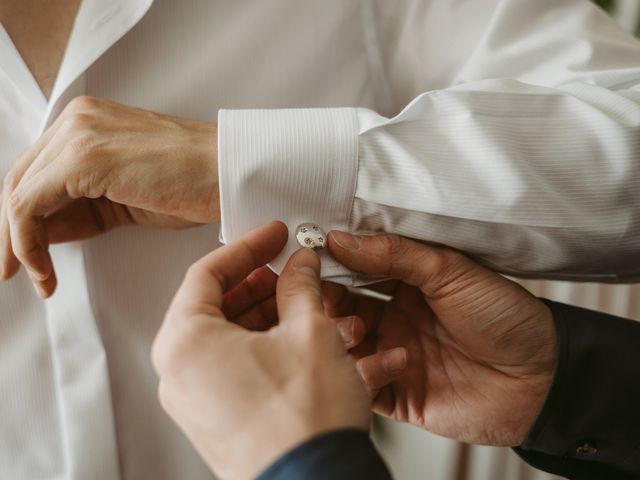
point(294, 165)
point(590, 419)
point(338, 455)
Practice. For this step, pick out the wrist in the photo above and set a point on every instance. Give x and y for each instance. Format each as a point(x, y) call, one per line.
point(268, 449)
point(538, 389)
point(543, 367)
point(274, 433)
point(538, 376)
point(206, 142)
point(344, 453)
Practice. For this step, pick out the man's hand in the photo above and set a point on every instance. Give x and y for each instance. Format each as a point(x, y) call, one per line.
point(480, 349)
point(102, 165)
point(246, 397)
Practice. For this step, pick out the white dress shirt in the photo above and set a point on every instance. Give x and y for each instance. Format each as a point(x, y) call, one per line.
point(522, 152)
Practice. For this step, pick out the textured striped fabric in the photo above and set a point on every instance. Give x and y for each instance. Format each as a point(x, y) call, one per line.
point(536, 174)
point(78, 394)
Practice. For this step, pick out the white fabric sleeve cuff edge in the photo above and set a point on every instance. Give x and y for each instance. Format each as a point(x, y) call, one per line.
point(293, 165)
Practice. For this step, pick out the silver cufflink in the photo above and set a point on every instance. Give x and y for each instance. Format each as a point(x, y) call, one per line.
point(586, 448)
point(310, 235)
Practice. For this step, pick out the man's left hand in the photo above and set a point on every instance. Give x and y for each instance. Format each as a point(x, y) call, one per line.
point(101, 165)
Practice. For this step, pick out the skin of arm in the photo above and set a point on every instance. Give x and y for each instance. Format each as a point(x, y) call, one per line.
point(40, 31)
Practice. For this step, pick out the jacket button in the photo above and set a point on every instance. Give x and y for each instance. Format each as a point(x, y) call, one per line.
point(310, 235)
point(586, 448)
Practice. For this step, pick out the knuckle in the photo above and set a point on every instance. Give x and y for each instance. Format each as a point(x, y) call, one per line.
point(440, 260)
point(16, 206)
point(24, 251)
point(78, 122)
point(434, 264)
point(167, 354)
point(305, 292)
point(82, 103)
point(405, 261)
point(196, 271)
point(448, 273)
point(11, 181)
point(83, 183)
point(393, 245)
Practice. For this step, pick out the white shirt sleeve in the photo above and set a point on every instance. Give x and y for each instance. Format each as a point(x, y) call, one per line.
point(529, 162)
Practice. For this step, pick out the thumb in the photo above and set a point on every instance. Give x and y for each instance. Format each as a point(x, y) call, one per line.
point(298, 292)
point(416, 264)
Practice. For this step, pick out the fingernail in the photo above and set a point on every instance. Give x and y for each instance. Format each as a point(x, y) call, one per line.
point(394, 361)
point(39, 290)
point(345, 328)
point(346, 240)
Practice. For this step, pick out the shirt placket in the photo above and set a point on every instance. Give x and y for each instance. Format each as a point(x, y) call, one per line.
point(79, 358)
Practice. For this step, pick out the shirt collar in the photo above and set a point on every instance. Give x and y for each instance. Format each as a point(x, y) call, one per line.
point(17, 72)
point(98, 25)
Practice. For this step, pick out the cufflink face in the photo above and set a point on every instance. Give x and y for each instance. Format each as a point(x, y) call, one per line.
point(310, 235)
point(587, 448)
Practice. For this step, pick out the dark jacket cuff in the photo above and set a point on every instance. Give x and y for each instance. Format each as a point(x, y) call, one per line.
point(338, 455)
point(589, 426)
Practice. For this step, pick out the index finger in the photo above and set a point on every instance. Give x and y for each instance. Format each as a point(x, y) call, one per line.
point(221, 270)
point(9, 263)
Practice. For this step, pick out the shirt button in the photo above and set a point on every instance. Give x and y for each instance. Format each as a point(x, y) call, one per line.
point(310, 235)
point(586, 448)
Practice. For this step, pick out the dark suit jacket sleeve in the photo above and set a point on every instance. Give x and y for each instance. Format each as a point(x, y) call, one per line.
point(589, 427)
point(339, 455)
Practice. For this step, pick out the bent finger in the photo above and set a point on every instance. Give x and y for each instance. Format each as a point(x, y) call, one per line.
point(28, 231)
point(221, 270)
point(259, 317)
point(85, 218)
point(352, 330)
point(9, 263)
point(382, 368)
point(255, 288)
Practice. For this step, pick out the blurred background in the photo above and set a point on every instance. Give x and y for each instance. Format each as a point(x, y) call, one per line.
point(627, 12)
point(413, 454)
